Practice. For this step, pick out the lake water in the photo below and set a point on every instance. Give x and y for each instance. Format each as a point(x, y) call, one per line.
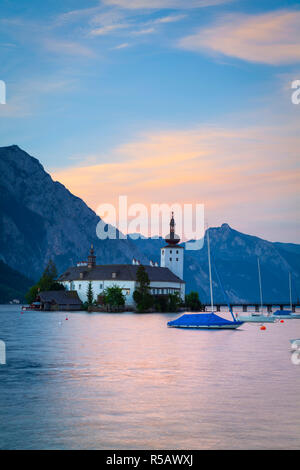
point(125, 381)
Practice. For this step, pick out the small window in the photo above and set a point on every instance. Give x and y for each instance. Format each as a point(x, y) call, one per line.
point(163, 252)
point(101, 286)
point(114, 275)
point(176, 252)
point(176, 259)
point(79, 286)
point(170, 259)
point(170, 251)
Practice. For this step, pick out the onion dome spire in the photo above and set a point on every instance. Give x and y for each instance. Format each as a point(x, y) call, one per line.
point(172, 238)
point(92, 258)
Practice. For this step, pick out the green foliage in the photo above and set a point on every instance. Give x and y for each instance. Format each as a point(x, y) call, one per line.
point(193, 302)
point(143, 301)
point(90, 294)
point(47, 282)
point(114, 297)
point(142, 297)
point(167, 303)
point(161, 303)
point(32, 293)
point(174, 302)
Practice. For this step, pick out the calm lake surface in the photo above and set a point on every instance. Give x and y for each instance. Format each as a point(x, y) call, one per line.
point(125, 381)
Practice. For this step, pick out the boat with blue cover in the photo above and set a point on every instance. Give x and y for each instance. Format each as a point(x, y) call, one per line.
point(285, 315)
point(205, 321)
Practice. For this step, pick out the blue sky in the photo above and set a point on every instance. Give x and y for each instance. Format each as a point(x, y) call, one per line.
point(117, 82)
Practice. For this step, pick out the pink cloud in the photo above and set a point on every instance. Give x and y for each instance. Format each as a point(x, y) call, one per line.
point(161, 4)
point(271, 38)
point(239, 174)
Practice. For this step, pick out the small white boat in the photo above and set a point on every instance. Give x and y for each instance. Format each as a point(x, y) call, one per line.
point(287, 314)
point(255, 318)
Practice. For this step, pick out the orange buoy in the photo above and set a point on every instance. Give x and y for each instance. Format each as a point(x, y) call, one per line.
point(281, 321)
point(263, 327)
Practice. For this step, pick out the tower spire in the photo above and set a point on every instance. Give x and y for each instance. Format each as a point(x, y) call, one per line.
point(91, 257)
point(172, 238)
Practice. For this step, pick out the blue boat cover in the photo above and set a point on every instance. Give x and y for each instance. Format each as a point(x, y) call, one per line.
point(201, 319)
point(282, 312)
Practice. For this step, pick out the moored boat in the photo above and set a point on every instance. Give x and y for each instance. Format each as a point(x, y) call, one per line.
point(285, 315)
point(204, 321)
point(32, 306)
point(254, 318)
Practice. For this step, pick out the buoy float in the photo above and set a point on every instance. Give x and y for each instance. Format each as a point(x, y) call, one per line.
point(67, 318)
point(281, 321)
point(263, 327)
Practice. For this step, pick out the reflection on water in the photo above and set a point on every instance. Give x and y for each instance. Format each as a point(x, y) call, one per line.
point(127, 381)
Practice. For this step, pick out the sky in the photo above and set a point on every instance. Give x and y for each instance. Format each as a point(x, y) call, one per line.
point(164, 101)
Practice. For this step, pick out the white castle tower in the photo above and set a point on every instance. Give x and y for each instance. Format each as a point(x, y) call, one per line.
point(172, 255)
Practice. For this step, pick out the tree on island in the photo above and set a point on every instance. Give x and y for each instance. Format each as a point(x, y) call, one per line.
point(167, 303)
point(114, 297)
point(47, 282)
point(174, 302)
point(192, 301)
point(90, 294)
point(142, 297)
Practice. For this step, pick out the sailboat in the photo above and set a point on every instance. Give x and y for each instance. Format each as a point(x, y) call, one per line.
point(206, 320)
point(287, 314)
point(256, 317)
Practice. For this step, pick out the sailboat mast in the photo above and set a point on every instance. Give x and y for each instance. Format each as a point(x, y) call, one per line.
point(290, 284)
point(209, 269)
point(260, 288)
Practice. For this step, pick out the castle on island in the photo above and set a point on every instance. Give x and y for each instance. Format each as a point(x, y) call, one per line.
point(164, 279)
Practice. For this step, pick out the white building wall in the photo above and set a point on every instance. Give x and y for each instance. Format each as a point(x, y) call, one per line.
point(168, 287)
point(172, 258)
point(81, 287)
point(129, 287)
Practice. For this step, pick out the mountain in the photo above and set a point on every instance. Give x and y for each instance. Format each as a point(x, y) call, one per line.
point(40, 219)
point(13, 285)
